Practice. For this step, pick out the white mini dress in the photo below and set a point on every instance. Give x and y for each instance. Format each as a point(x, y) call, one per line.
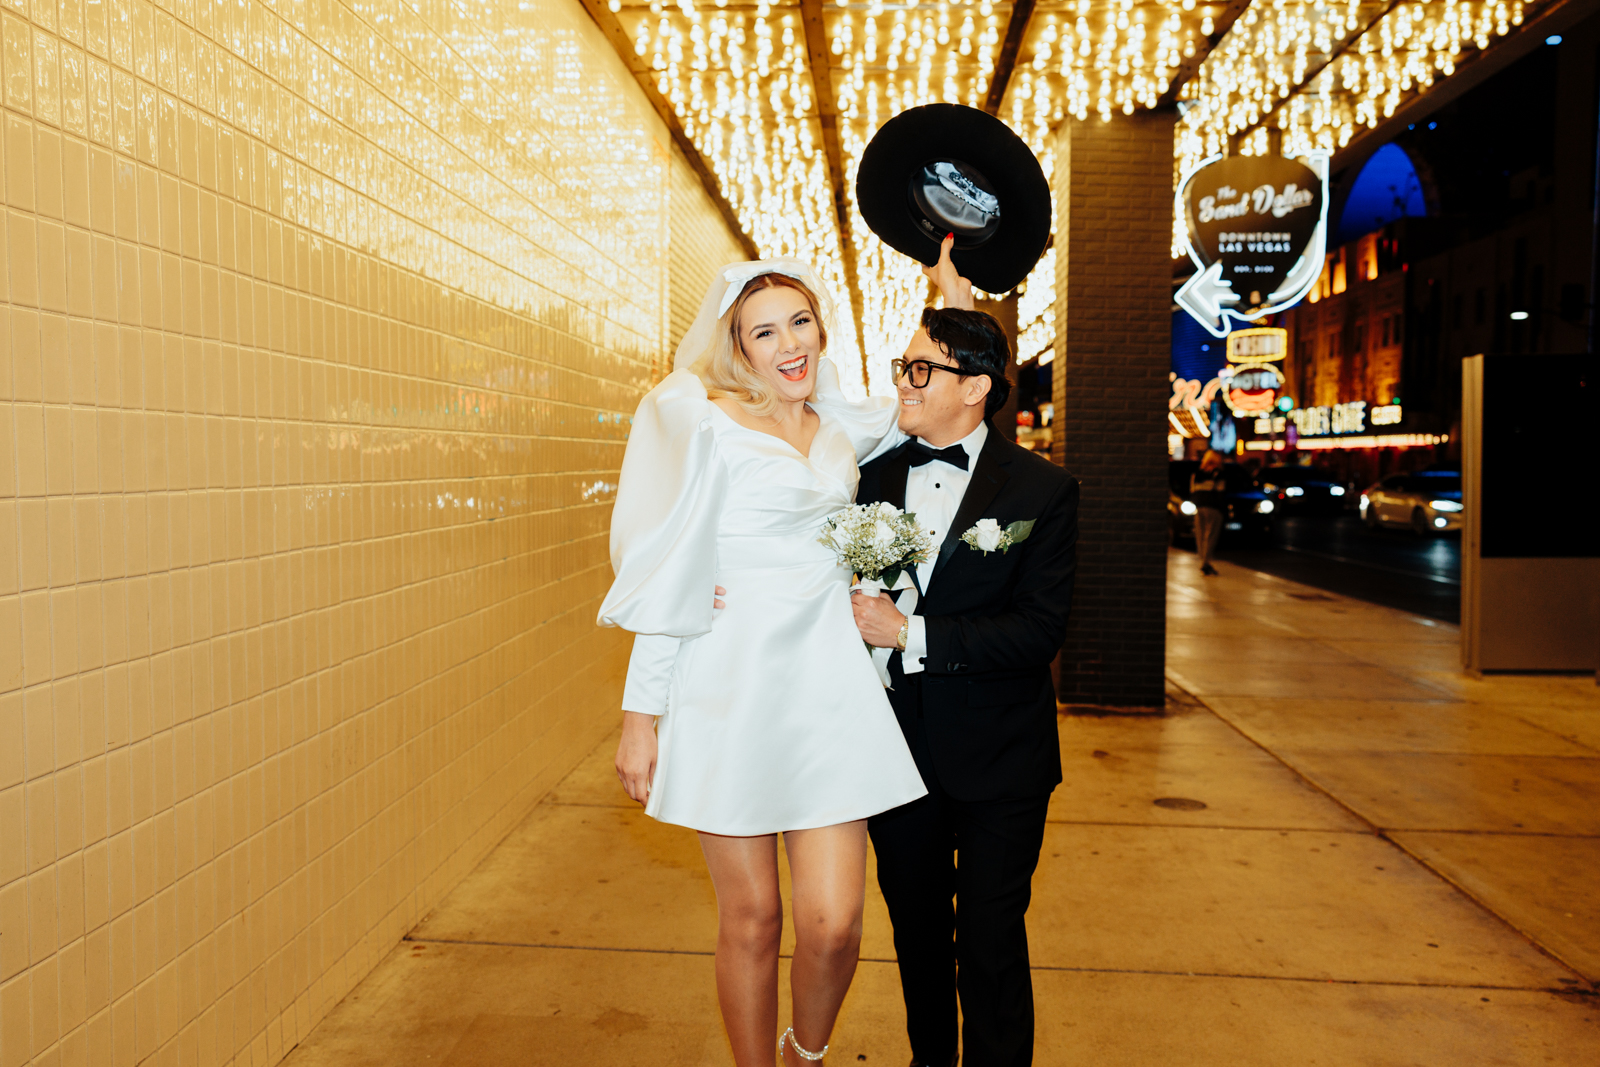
point(772, 717)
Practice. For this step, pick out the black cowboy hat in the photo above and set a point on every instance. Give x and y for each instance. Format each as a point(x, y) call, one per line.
point(945, 168)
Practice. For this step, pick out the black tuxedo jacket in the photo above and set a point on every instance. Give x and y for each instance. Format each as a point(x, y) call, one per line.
point(994, 622)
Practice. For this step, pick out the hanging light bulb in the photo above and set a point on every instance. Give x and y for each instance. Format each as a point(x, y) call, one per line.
point(741, 84)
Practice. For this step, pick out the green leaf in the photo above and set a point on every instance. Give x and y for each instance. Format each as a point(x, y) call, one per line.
point(1020, 529)
point(890, 576)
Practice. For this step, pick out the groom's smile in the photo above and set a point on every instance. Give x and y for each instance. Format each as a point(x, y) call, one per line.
point(946, 407)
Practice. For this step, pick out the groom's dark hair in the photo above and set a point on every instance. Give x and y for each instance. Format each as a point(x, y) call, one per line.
point(976, 342)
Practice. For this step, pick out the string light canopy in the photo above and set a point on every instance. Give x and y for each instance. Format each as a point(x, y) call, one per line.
point(1248, 75)
point(1317, 74)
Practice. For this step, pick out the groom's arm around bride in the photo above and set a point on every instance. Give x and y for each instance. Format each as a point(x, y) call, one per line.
point(972, 692)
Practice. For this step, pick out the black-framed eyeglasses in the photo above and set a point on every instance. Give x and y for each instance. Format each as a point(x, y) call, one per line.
point(921, 371)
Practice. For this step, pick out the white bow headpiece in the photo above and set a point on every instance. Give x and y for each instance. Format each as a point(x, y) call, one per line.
point(737, 274)
point(726, 285)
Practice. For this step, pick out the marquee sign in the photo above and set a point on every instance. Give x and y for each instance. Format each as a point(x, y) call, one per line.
point(1253, 390)
point(1265, 344)
point(1356, 416)
point(1256, 228)
point(1253, 383)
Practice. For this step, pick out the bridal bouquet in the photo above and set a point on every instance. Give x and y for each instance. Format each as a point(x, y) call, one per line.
point(881, 544)
point(878, 542)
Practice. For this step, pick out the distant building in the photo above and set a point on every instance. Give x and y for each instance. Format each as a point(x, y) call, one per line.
point(1472, 232)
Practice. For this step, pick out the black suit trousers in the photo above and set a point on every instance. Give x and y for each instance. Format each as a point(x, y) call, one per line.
point(957, 876)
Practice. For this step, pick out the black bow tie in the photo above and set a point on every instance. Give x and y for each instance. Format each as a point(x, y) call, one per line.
point(920, 453)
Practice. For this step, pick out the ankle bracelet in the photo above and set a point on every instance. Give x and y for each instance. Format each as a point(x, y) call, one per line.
point(788, 1035)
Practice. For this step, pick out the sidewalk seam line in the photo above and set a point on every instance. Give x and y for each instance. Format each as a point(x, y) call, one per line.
point(1537, 945)
point(1033, 967)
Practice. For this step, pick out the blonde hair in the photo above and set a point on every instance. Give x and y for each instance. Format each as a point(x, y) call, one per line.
point(726, 370)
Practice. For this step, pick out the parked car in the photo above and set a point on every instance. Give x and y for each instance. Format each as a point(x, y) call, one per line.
point(1249, 511)
point(1429, 502)
point(1302, 490)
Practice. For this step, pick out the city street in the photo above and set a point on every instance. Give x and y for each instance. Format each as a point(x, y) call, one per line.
point(1392, 567)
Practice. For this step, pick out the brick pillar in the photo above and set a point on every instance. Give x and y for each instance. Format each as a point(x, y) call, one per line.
point(1113, 189)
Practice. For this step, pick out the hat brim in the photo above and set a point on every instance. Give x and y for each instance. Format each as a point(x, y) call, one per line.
point(914, 138)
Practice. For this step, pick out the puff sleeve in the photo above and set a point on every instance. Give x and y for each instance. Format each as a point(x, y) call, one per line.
point(664, 534)
point(872, 424)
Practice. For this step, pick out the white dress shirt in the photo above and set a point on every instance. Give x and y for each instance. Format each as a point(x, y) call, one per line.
point(933, 493)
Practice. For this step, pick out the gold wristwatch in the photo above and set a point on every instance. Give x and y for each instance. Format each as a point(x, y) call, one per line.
point(900, 638)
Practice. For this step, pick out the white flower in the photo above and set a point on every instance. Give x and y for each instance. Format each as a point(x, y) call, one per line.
point(987, 534)
point(873, 540)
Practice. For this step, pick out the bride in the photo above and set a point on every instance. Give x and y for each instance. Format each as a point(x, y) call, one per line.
point(759, 713)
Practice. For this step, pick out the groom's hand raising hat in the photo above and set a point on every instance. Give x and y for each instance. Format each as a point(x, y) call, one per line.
point(957, 291)
point(918, 182)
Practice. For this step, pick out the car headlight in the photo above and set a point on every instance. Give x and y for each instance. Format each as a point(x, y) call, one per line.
point(1294, 490)
point(1265, 507)
point(1187, 507)
point(1338, 490)
point(1445, 505)
point(1440, 521)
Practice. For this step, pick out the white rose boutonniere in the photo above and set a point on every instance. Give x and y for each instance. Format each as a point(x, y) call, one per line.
point(987, 535)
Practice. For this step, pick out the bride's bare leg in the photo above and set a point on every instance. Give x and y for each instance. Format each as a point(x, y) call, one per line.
point(744, 871)
point(828, 867)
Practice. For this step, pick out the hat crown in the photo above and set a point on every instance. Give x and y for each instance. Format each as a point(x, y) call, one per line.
point(951, 196)
point(915, 185)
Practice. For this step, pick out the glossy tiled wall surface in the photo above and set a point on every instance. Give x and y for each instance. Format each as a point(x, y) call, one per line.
point(321, 325)
point(700, 244)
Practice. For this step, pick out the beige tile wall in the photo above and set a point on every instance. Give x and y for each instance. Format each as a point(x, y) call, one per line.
point(321, 327)
point(700, 245)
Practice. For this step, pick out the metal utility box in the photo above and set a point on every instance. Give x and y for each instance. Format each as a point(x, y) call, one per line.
point(1530, 545)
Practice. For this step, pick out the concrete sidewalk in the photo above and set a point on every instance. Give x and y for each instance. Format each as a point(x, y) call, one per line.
point(1333, 849)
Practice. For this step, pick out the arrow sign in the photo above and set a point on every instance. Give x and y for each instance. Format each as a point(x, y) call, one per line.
point(1203, 296)
point(1258, 223)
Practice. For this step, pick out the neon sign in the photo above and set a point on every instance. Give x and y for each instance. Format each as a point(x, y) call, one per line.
point(1335, 419)
point(1256, 229)
point(1264, 344)
point(1253, 389)
point(1253, 383)
point(1188, 408)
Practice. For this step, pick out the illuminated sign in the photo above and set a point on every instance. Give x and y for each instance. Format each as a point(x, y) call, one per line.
point(1188, 408)
point(1264, 344)
point(1256, 229)
point(1335, 420)
point(1331, 420)
point(1253, 383)
point(1253, 389)
point(1393, 440)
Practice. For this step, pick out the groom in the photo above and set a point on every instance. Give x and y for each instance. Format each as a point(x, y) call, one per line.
point(972, 690)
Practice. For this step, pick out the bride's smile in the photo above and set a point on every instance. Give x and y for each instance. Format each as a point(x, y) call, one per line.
point(779, 335)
